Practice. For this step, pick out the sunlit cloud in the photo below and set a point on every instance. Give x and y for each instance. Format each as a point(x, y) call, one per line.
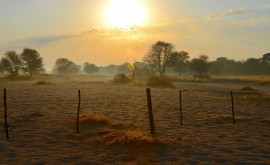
point(242, 11)
point(250, 22)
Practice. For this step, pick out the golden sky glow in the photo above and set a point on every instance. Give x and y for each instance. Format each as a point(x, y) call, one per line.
point(125, 14)
point(117, 31)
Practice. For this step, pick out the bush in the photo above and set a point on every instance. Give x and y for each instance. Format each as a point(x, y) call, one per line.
point(247, 88)
point(156, 81)
point(121, 78)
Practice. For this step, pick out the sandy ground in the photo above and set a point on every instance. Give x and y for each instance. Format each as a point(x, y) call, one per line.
point(43, 131)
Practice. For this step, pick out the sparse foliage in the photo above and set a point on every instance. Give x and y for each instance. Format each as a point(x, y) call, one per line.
point(160, 57)
point(32, 62)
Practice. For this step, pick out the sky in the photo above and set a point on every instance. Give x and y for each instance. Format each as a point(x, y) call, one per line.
point(116, 31)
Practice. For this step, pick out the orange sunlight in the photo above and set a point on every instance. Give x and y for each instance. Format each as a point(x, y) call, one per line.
point(124, 14)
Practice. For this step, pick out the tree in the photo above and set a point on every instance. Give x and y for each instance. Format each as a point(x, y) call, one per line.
point(266, 58)
point(200, 65)
point(179, 60)
point(64, 66)
point(11, 63)
point(90, 68)
point(159, 57)
point(32, 62)
point(124, 69)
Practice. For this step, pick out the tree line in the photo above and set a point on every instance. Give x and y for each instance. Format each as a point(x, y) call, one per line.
point(160, 61)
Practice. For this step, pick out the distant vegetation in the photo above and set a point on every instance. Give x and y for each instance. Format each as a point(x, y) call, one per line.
point(161, 62)
point(65, 66)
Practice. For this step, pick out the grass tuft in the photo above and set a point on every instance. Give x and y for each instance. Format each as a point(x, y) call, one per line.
point(156, 81)
point(88, 119)
point(44, 83)
point(247, 88)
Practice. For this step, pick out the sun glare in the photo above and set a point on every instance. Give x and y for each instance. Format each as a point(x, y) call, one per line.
point(125, 14)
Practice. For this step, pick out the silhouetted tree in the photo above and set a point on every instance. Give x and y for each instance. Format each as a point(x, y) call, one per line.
point(11, 63)
point(90, 68)
point(64, 66)
point(179, 60)
point(266, 58)
point(200, 65)
point(32, 62)
point(160, 57)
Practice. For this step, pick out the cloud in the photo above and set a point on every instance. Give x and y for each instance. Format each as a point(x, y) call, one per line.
point(266, 6)
point(250, 22)
point(33, 42)
point(229, 13)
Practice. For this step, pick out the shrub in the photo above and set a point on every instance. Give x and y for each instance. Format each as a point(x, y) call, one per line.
point(156, 81)
point(247, 88)
point(121, 78)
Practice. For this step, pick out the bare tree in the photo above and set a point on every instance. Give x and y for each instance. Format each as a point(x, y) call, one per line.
point(159, 57)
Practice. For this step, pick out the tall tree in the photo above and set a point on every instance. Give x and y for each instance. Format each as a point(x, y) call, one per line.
point(159, 57)
point(200, 65)
point(11, 63)
point(32, 62)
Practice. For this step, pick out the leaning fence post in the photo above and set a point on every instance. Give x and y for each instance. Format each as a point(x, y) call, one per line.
point(78, 112)
point(232, 107)
point(181, 114)
point(149, 101)
point(5, 106)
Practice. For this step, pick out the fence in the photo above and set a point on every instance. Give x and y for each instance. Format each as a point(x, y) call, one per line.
point(181, 110)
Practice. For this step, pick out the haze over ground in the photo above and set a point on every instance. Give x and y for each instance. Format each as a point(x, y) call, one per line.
point(86, 31)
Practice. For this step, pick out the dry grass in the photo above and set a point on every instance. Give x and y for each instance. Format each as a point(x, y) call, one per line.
point(157, 82)
point(44, 83)
point(110, 136)
point(238, 119)
point(88, 119)
point(201, 140)
point(249, 79)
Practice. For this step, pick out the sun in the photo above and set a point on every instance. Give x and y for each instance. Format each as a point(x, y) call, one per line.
point(125, 14)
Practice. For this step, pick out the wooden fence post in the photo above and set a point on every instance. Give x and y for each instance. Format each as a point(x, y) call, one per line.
point(78, 112)
point(181, 113)
point(5, 106)
point(151, 119)
point(232, 107)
